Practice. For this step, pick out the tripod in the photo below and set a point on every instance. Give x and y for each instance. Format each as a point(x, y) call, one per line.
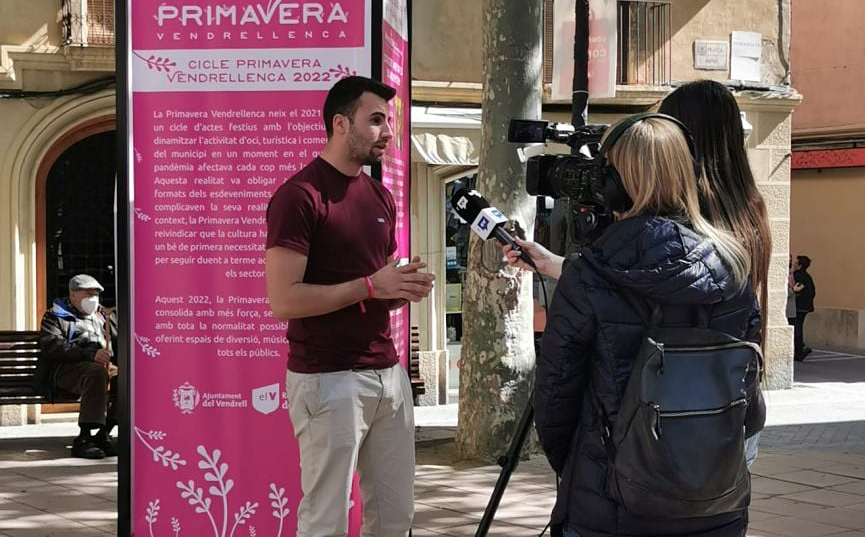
point(508, 462)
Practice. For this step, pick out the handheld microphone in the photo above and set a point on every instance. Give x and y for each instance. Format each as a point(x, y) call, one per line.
point(485, 221)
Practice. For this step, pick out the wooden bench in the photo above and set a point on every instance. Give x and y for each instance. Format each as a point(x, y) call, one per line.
point(19, 352)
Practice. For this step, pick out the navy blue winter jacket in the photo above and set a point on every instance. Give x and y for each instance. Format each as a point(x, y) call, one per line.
point(591, 337)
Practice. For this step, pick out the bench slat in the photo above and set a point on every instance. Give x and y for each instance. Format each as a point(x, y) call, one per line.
point(19, 352)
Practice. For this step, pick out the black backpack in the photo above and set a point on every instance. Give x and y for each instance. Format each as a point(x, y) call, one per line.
point(676, 448)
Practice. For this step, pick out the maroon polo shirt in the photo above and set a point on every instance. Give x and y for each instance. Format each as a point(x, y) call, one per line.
point(345, 226)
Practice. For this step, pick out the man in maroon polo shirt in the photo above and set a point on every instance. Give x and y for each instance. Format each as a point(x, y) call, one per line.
point(331, 273)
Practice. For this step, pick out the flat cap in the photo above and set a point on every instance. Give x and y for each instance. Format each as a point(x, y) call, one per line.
point(84, 281)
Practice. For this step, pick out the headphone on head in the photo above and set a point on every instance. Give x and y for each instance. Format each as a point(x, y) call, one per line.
point(612, 189)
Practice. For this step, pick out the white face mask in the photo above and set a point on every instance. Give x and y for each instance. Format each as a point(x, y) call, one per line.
point(89, 304)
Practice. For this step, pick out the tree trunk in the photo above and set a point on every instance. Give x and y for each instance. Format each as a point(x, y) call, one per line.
point(497, 358)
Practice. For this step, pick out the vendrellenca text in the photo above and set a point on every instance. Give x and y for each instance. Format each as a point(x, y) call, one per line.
point(182, 77)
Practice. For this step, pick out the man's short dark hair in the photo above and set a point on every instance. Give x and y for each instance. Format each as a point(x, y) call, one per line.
point(804, 261)
point(343, 96)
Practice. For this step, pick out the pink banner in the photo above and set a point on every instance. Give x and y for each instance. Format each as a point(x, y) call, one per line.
point(395, 164)
point(226, 105)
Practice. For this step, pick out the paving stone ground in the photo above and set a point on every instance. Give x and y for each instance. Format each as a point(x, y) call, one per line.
point(809, 480)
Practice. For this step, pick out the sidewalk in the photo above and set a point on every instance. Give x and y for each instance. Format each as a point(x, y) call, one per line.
point(809, 480)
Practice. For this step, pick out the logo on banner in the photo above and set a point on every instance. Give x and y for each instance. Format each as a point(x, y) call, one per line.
point(266, 398)
point(186, 398)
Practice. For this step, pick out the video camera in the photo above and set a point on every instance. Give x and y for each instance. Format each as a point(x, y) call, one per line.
point(576, 177)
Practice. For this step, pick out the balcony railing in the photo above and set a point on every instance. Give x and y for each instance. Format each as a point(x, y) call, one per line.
point(88, 22)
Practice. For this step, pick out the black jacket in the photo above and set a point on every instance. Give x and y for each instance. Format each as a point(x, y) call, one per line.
point(591, 337)
point(67, 335)
point(805, 297)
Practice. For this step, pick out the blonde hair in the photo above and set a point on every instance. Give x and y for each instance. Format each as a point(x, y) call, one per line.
point(657, 171)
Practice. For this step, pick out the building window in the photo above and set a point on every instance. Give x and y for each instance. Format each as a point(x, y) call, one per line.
point(88, 22)
point(79, 217)
point(643, 50)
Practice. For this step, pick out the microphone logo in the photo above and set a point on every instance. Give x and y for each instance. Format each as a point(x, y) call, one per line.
point(462, 203)
point(483, 223)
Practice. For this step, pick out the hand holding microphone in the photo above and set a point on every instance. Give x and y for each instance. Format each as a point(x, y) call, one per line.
point(487, 222)
point(546, 262)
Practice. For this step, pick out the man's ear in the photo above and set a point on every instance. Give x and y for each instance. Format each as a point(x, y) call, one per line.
point(340, 124)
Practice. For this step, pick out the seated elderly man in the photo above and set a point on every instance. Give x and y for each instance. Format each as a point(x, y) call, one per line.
point(77, 358)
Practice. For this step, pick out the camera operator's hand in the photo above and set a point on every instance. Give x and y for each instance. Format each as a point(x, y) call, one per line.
point(548, 263)
point(102, 356)
point(405, 282)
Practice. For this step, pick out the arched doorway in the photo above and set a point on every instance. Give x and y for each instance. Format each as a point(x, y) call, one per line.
point(75, 212)
point(79, 216)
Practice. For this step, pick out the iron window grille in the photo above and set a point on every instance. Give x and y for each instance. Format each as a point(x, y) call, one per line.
point(88, 22)
point(643, 50)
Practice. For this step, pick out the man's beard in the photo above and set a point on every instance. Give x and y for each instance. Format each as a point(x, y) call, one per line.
point(358, 154)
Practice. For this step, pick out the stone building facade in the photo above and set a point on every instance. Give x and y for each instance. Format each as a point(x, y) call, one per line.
point(446, 73)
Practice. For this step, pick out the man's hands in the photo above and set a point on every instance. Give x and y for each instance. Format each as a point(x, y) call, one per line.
point(548, 263)
point(102, 356)
point(405, 282)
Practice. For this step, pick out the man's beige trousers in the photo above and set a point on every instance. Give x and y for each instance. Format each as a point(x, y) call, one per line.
point(350, 420)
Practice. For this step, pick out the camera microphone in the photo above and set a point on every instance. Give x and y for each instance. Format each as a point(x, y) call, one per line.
point(485, 221)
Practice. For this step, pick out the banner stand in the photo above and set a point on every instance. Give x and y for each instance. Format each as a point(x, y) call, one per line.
point(123, 271)
point(217, 105)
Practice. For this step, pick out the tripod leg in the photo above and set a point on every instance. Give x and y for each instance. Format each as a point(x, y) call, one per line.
point(508, 462)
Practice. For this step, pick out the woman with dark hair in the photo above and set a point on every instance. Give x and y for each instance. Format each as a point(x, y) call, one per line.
point(728, 194)
point(662, 252)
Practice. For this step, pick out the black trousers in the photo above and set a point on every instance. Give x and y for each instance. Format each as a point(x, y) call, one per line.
point(89, 379)
point(798, 333)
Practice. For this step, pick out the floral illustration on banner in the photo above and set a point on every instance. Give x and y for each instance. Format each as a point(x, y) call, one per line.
point(138, 157)
point(146, 347)
point(165, 456)
point(157, 62)
point(208, 502)
point(280, 511)
point(342, 71)
point(245, 514)
point(152, 515)
point(141, 215)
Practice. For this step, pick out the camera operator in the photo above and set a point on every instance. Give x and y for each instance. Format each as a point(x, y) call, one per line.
point(727, 191)
point(660, 249)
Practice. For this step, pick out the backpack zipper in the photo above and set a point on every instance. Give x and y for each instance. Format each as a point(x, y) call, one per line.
point(656, 422)
point(716, 347)
point(753, 346)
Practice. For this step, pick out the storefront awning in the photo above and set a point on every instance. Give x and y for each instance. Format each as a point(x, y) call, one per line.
point(445, 136)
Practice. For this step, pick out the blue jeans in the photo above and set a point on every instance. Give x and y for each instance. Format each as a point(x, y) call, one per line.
point(751, 449)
